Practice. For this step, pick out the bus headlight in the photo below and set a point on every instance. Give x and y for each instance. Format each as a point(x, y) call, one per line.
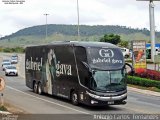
point(94, 102)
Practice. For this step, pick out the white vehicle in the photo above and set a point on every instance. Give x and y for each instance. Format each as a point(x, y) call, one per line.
point(5, 64)
point(14, 59)
point(157, 51)
point(11, 70)
point(5, 60)
point(148, 52)
point(125, 52)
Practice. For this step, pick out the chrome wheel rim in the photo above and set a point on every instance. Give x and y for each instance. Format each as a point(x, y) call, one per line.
point(74, 98)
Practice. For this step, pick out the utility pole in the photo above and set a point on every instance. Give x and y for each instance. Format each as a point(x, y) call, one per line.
point(78, 19)
point(152, 27)
point(46, 23)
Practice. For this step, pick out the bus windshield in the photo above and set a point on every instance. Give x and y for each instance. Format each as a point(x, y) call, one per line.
point(109, 80)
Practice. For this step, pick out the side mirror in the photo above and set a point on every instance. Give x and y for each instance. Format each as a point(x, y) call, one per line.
point(86, 65)
point(93, 72)
point(89, 69)
point(132, 72)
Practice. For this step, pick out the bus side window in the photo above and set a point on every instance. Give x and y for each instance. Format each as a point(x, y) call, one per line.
point(81, 57)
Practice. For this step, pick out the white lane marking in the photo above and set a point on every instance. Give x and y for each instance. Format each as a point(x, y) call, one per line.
point(47, 100)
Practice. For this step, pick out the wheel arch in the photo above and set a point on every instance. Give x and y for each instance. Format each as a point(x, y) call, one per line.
point(70, 95)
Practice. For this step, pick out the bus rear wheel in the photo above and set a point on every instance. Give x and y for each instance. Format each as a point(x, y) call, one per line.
point(74, 98)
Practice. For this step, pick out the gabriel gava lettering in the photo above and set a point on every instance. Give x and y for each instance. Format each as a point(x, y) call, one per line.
point(33, 65)
point(63, 69)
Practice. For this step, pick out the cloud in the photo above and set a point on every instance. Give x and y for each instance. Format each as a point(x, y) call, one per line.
point(91, 12)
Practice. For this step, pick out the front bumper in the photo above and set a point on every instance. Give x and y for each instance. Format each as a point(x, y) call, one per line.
point(108, 98)
point(11, 73)
point(96, 100)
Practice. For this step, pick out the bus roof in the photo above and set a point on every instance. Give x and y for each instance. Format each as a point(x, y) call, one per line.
point(81, 43)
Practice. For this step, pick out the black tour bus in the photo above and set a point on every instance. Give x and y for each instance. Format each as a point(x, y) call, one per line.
point(91, 73)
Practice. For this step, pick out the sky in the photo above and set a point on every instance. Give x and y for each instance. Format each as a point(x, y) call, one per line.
point(129, 13)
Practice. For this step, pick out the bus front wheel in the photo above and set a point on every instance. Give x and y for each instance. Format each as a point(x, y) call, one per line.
point(74, 98)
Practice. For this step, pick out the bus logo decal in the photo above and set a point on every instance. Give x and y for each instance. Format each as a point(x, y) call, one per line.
point(106, 56)
point(106, 53)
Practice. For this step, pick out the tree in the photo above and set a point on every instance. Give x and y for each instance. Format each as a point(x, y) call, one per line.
point(124, 44)
point(111, 38)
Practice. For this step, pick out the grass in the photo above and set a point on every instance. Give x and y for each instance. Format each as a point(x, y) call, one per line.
point(3, 108)
point(145, 88)
point(9, 107)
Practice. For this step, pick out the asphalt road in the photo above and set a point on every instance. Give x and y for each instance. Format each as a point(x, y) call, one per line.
point(19, 95)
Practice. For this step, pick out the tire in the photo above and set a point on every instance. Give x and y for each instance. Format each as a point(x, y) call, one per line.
point(35, 87)
point(39, 89)
point(6, 74)
point(126, 56)
point(74, 98)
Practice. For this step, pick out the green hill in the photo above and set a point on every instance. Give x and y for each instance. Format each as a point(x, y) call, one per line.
point(36, 34)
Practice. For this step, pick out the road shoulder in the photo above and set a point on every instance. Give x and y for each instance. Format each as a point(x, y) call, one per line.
point(147, 92)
